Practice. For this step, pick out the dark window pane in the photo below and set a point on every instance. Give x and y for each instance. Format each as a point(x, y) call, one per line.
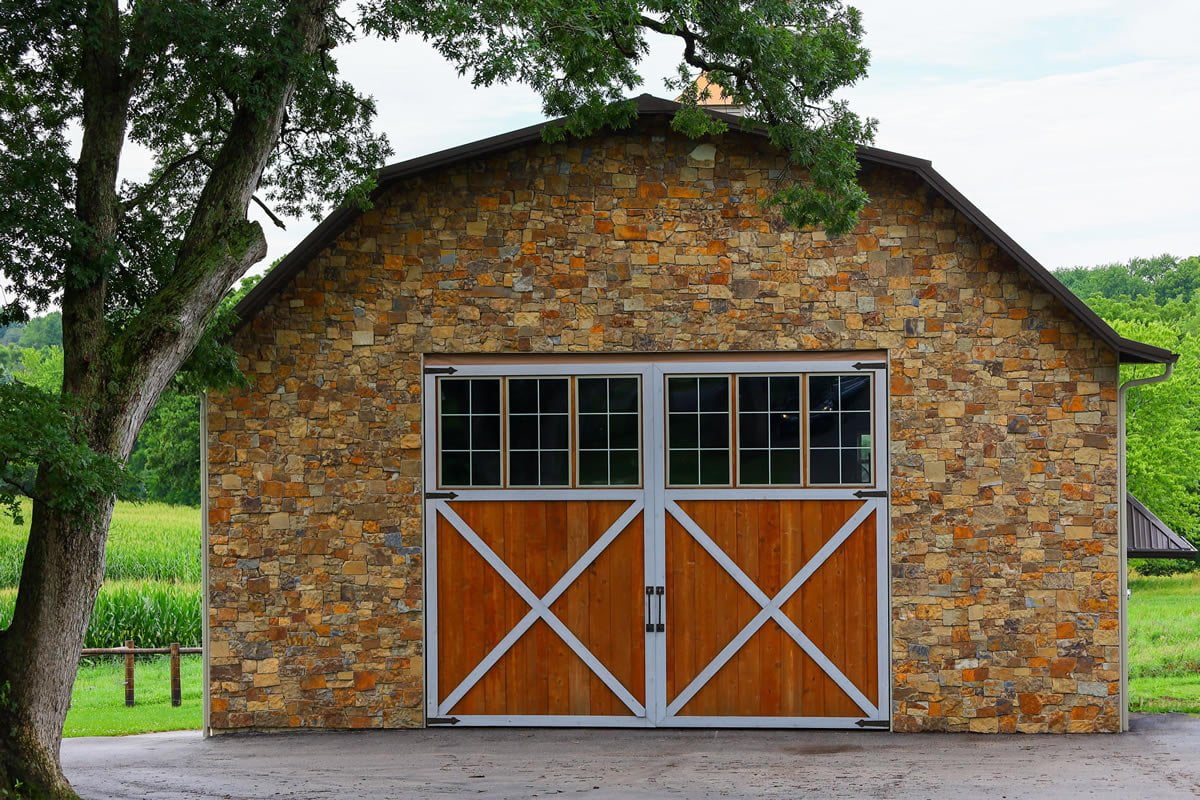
point(822, 430)
point(456, 469)
point(623, 431)
point(554, 432)
point(522, 395)
point(523, 432)
point(823, 393)
point(684, 467)
point(593, 468)
point(753, 430)
point(682, 431)
point(755, 466)
point(624, 467)
point(714, 467)
point(823, 466)
point(593, 431)
point(785, 466)
point(752, 394)
point(856, 466)
point(714, 394)
point(523, 468)
point(856, 392)
point(555, 468)
point(785, 430)
point(485, 397)
point(593, 394)
point(455, 433)
point(485, 469)
point(455, 397)
point(854, 428)
point(785, 393)
point(554, 395)
point(714, 430)
point(485, 433)
point(681, 394)
point(623, 394)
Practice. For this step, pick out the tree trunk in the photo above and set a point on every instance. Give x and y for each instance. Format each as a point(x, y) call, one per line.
point(39, 653)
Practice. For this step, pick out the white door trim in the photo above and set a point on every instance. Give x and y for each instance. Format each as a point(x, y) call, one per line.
point(653, 499)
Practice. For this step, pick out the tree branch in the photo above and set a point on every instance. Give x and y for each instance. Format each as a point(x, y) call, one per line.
point(278, 222)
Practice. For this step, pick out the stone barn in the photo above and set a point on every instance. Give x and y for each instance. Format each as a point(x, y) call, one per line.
point(584, 434)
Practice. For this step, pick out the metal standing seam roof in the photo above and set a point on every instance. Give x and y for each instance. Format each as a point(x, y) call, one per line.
point(1128, 350)
point(1149, 536)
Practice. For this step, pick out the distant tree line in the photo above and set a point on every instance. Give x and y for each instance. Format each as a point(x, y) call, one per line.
point(165, 462)
point(1157, 300)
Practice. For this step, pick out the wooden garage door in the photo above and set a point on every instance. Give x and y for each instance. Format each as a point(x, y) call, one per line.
point(657, 543)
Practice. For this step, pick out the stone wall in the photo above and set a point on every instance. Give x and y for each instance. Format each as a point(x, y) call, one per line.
point(1003, 427)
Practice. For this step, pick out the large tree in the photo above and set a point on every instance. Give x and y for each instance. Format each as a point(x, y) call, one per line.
point(240, 102)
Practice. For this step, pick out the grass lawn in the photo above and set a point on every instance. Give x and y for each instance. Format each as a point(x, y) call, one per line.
point(98, 702)
point(1164, 643)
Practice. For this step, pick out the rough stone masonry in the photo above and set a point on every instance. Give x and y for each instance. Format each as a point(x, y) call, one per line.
point(1003, 418)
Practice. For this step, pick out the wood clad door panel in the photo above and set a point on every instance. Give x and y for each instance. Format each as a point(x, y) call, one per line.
point(772, 609)
point(541, 608)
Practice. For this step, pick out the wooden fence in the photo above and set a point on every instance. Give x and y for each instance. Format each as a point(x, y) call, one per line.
point(129, 651)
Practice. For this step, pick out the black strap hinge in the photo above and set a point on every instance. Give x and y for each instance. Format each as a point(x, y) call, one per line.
point(440, 370)
point(869, 365)
point(861, 493)
point(440, 495)
point(442, 720)
point(872, 723)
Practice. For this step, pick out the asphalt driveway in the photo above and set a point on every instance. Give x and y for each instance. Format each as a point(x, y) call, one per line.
point(1159, 758)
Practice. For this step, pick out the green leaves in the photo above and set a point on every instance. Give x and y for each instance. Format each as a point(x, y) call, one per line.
point(39, 428)
point(783, 60)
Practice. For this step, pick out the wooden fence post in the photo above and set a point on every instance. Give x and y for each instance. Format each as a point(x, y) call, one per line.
point(129, 672)
point(176, 691)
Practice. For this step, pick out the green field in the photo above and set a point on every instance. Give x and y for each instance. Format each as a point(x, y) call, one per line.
point(1164, 643)
point(147, 541)
point(151, 591)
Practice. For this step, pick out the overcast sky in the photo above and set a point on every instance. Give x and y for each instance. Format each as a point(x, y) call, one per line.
point(1072, 123)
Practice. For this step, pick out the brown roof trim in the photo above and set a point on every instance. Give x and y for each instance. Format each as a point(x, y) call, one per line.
point(1128, 350)
point(1149, 536)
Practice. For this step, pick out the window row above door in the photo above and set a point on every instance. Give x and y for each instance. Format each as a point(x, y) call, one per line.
point(801, 429)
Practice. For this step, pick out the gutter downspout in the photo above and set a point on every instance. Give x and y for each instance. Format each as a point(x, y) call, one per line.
point(1123, 533)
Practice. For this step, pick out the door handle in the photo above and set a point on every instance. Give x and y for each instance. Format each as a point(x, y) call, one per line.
point(655, 621)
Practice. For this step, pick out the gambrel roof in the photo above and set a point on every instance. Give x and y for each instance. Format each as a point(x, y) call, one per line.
point(1128, 350)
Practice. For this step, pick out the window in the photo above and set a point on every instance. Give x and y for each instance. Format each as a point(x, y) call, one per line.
point(769, 414)
point(538, 432)
point(839, 429)
point(698, 431)
point(470, 431)
point(609, 421)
